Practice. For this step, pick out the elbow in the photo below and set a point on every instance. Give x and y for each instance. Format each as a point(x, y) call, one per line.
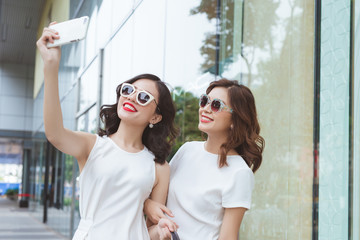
point(52, 136)
point(49, 137)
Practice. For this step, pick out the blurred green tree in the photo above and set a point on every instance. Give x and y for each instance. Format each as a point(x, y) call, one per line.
point(186, 118)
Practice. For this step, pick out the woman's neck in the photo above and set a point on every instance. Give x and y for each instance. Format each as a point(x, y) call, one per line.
point(213, 144)
point(129, 137)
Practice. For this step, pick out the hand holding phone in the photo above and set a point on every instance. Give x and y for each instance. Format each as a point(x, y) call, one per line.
point(70, 31)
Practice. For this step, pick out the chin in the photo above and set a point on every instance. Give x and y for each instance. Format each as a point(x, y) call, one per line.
point(203, 128)
point(124, 116)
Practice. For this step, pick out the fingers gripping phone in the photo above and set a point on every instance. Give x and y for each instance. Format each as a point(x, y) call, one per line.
point(70, 31)
point(174, 236)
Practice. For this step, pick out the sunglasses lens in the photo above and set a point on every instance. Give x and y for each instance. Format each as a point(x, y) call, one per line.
point(127, 90)
point(143, 97)
point(203, 101)
point(215, 105)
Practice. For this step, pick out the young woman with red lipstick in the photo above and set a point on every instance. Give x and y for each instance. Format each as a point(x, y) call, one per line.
point(125, 163)
point(211, 182)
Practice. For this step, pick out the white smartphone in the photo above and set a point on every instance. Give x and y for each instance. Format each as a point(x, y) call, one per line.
point(70, 31)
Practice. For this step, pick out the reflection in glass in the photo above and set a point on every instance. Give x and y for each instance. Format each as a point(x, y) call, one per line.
point(147, 45)
point(273, 33)
point(89, 86)
point(37, 172)
point(185, 65)
point(356, 127)
point(257, 43)
point(186, 118)
point(58, 207)
point(93, 120)
point(209, 48)
point(189, 62)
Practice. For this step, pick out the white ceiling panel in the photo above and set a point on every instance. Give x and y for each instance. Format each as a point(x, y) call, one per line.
point(19, 20)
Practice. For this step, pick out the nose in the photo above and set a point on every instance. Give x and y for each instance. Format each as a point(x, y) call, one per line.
point(207, 108)
point(132, 97)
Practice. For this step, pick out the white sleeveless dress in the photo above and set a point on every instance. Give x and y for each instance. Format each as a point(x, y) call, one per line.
point(113, 187)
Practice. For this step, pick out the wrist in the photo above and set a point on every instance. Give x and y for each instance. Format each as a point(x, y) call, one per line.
point(154, 232)
point(51, 66)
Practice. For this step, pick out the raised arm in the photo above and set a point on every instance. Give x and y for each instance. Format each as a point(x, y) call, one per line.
point(77, 144)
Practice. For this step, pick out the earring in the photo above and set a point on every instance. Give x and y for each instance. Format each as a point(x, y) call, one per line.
point(231, 127)
point(151, 125)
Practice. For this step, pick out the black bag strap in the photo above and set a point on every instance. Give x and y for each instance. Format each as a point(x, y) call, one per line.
point(175, 236)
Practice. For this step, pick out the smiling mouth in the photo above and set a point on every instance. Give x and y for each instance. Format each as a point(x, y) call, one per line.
point(206, 119)
point(129, 107)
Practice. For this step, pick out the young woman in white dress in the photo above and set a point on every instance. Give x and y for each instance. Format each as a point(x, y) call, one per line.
point(211, 182)
point(125, 163)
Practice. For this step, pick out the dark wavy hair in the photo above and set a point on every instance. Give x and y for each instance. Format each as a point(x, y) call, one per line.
point(158, 139)
point(244, 136)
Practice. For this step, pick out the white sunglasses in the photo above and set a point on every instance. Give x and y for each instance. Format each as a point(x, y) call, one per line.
point(143, 97)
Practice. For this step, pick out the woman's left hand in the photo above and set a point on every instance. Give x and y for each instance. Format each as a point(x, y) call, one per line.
point(155, 211)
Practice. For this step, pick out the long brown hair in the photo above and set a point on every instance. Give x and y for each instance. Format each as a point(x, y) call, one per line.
point(158, 139)
point(244, 136)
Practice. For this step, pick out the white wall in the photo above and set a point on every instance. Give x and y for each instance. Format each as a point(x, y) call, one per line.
point(16, 102)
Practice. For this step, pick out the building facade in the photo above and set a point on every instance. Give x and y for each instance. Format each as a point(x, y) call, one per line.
point(300, 59)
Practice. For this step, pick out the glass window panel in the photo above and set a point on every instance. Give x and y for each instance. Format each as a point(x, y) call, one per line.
point(148, 38)
point(189, 60)
point(81, 123)
point(356, 127)
point(93, 119)
point(69, 108)
point(91, 48)
point(89, 86)
point(69, 65)
point(76, 185)
point(108, 87)
point(74, 5)
point(38, 173)
point(58, 215)
point(259, 46)
point(119, 11)
point(88, 47)
point(117, 62)
point(11, 167)
point(334, 121)
point(103, 20)
point(189, 47)
point(89, 120)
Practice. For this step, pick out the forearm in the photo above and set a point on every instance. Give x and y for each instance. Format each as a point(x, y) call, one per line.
point(228, 237)
point(231, 223)
point(53, 121)
point(229, 233)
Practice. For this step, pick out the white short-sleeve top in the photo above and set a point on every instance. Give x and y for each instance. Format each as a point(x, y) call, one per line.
point(113, 187)
point(200, 191)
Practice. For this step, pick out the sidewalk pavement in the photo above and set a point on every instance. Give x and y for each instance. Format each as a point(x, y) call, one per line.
point(17, 224)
